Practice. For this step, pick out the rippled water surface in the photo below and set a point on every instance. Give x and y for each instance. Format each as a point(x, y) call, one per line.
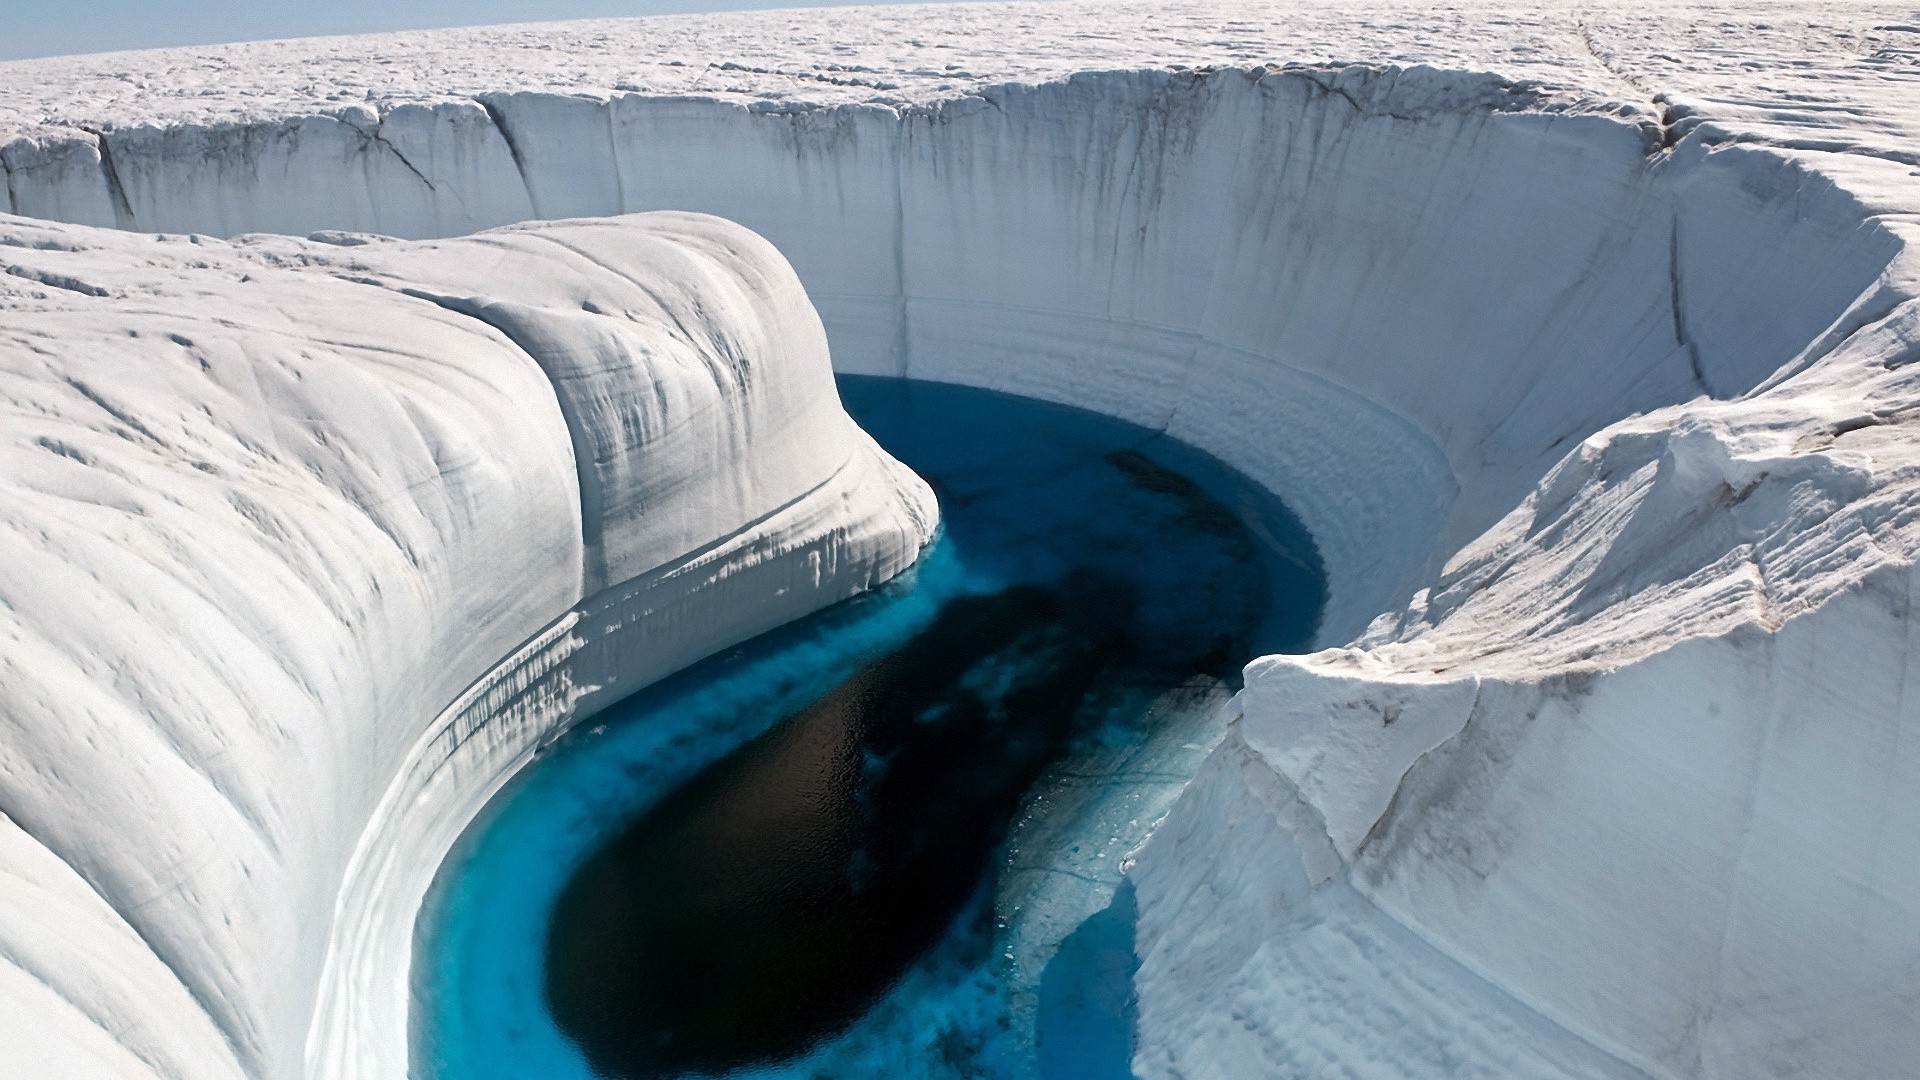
point(884, 841)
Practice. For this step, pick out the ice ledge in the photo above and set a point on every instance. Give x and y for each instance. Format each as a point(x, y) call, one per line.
point(1636, 758)
point(267, 512)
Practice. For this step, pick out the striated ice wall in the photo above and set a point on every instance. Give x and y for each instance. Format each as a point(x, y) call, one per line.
point(1431, 282)
point(1600, 415)
point(308, 547)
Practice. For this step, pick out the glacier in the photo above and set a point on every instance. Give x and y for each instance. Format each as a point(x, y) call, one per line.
point(1578, 336)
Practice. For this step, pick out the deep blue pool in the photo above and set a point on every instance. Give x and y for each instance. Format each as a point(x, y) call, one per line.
point(885, 840)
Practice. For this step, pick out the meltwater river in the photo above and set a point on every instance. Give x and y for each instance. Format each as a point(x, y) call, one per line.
point(885, 840)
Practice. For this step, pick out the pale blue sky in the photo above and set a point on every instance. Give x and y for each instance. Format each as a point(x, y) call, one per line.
point(54, 27)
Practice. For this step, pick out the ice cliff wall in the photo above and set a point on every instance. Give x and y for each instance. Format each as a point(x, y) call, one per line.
point(1140, 242)
point(307, 546)
point(1589, 375)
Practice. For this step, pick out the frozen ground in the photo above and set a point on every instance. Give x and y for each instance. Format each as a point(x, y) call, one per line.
point(1581, 338)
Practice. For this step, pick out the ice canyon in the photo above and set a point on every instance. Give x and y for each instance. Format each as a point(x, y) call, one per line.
point(377, 410)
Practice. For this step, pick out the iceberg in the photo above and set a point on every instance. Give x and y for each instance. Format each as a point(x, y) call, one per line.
point(1579, 339)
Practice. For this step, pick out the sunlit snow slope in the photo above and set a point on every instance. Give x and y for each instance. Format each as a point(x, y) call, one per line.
point(1579, 336)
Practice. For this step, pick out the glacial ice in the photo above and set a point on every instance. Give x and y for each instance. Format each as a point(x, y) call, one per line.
point(300, 568)
point(1579, 336)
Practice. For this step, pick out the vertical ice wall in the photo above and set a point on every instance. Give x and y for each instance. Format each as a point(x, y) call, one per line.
point(1415, 281)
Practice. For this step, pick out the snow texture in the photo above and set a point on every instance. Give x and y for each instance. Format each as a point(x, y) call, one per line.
point(1581, 338)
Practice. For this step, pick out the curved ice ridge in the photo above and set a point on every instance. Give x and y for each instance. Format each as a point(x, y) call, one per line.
point(308, 549)
point(1600, 412)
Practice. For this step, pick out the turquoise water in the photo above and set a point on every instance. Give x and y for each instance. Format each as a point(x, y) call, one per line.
point(885, 840)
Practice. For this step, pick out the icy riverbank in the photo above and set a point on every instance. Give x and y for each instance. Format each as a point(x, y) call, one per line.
point(743, 895)
point(1590, 378)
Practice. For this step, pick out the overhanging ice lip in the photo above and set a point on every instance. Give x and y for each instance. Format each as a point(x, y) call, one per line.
point(1617, 393)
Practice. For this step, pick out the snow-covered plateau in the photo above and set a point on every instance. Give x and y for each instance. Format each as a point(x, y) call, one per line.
point(1581, 338)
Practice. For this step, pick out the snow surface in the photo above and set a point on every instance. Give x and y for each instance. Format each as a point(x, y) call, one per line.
point(1579, 336)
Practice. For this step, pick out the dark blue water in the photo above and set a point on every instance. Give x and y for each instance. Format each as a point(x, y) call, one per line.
point(884, 840)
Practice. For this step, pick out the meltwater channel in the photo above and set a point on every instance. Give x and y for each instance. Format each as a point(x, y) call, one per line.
point(885, 840)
